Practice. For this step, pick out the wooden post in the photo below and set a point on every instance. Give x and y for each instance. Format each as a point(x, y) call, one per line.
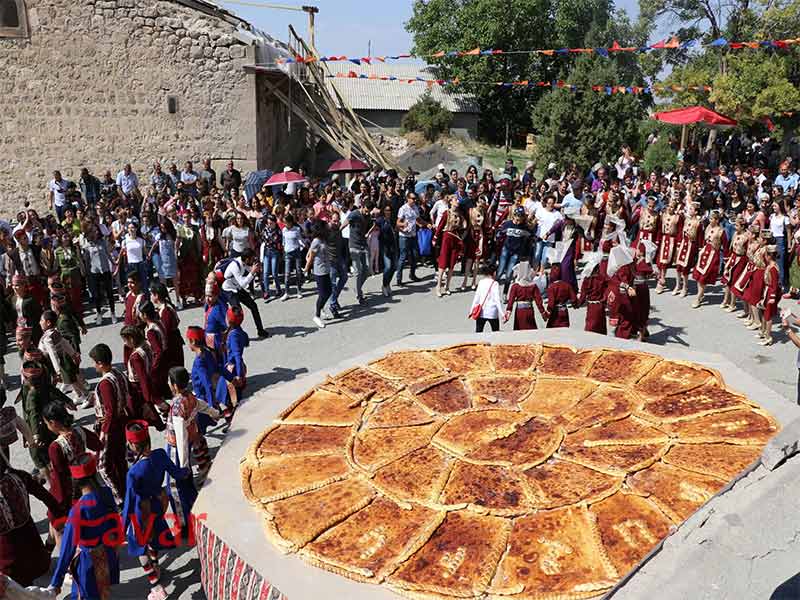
point(312, 11)
point(684, 133)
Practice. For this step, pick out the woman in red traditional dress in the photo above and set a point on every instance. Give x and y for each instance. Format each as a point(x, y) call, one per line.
point(642, 271)
point(671, 224)
point(770, 296)
point(755, 287)
point(560, 295)
point(523, 294)
point(735, 263)
point(691, 240)
point(190, 265)
point(706, 272)
point(173, 352)
point(740, 284)
point(477, 245)
point(593, 295)
point(143, 396)
point(450, 231)
point(157, 340)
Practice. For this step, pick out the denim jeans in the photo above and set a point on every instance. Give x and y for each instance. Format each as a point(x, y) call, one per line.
point(291, 262)
point(538, 251)
point(359, 258)
point(271, 258)
point(780, 244)
point(324, 290)
point(389, 266)
point(339, 275)
point(507, 263)
point(408, 250)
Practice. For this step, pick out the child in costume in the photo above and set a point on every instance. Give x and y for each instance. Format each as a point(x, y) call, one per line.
point(143, 399)
point(146, 502)
point(523, 294)
point(560, 295)
point(69, 325)
point(234, 372)
point(205, 372)
point(63, 357)
point(90, 525)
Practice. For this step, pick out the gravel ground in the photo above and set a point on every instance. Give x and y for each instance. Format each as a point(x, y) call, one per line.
point(297, 347)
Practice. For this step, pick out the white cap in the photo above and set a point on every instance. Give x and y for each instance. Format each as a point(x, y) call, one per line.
point(551, 166)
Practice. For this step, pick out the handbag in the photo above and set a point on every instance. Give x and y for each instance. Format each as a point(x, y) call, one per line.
point(424, 238)
point(476, 310)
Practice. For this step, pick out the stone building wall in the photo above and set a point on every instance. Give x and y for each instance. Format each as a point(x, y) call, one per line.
point(90, 87)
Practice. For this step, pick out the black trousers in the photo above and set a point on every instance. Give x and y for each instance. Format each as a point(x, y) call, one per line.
point(243, 297)
point(100, 284)
point(480, 323)
point(324, 290)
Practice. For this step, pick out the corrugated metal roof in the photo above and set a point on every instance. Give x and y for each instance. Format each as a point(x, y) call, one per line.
point(371, 94)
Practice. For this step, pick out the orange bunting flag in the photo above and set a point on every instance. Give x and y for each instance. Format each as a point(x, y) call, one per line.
point(473, 52)
point(673, 43)
point(548, 52)
point(438, 54)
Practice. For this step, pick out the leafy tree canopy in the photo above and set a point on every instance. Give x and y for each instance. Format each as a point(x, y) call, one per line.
point(428, 117)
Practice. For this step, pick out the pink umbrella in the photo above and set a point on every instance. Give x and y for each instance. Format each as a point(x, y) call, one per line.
point(285, 177)
point(348, 165)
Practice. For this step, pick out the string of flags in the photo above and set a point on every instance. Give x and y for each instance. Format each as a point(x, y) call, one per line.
point(557, 84)
point(666, 44)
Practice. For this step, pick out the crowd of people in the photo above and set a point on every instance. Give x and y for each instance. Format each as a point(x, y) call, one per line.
point(523, 243)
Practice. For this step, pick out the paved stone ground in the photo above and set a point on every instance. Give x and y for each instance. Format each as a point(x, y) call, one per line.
point(297, 347)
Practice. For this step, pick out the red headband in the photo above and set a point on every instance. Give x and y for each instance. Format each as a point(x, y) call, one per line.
point(86, 466)
point(195, 334)
point(235, 317)
point(137, 435)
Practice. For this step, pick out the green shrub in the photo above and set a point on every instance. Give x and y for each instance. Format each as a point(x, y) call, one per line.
point(427, 116)
point(661, 155)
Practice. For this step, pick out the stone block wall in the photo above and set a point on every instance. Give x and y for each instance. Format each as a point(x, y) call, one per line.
point(90, 87)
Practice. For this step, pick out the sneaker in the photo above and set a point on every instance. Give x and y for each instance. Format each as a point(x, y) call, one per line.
point(98, 320)
point(319, 322)
point(298, 295)
point(284, 298)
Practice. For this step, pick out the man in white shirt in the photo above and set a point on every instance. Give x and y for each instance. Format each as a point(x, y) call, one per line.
point(239, 274)
point(189, 179)
point(57, 194)
point(407, 218)
point(127, 181)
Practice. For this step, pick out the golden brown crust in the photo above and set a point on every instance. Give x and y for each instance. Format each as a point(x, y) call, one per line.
point(515, 358)
point(397, 412)
point(299, 519)
point(630, 526)
point(565, 361)
point(622, 367)
point(418, 477)
point(701, 401)
point(408, 366)
point(749, 426)
point(458, 559)
point(465, 358)
point(606, 404)
point(718, 460)
point(445, 395)
point(287, 476)
point(555, 552)
point(560, 483)
point(322, 407)
point(677, 492)
point(486, 488)
point(500, 390)
point(374, 448)
point(674, 376)
point(369, 543)
point(410, 472)
point(552, 397)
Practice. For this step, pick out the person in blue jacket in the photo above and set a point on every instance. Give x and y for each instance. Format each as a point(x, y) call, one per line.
point(91, 536)
point(205, 373)
point(146, 529)
point(234, 372)
point(215, 323)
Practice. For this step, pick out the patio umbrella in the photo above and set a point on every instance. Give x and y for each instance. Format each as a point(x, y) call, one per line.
point(254, 181)
point(694, 114)
point(286, 177)
point(348, 165)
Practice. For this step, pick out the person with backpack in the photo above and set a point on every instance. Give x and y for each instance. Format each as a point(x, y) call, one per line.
point(238, 275)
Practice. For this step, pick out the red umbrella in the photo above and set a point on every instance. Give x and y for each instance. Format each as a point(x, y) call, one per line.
point(348, 165)
point(284, 178)
point(693, 114)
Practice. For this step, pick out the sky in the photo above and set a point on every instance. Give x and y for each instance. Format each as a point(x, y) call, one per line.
point(348, 26)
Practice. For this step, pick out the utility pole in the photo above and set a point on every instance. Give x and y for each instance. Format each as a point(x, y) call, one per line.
point(311, 10)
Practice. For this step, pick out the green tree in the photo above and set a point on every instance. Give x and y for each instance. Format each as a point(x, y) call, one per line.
point(585, 126)
point(660, 155)
point(429, 117)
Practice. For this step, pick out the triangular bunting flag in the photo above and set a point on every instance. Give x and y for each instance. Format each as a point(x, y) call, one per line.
point(473, 52)
point(602, 52)
point(673, 43)
point(719, 42)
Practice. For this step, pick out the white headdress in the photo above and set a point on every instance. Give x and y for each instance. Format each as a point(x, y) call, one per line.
point(523, 273)
point(592, 260)
point(619, 257)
